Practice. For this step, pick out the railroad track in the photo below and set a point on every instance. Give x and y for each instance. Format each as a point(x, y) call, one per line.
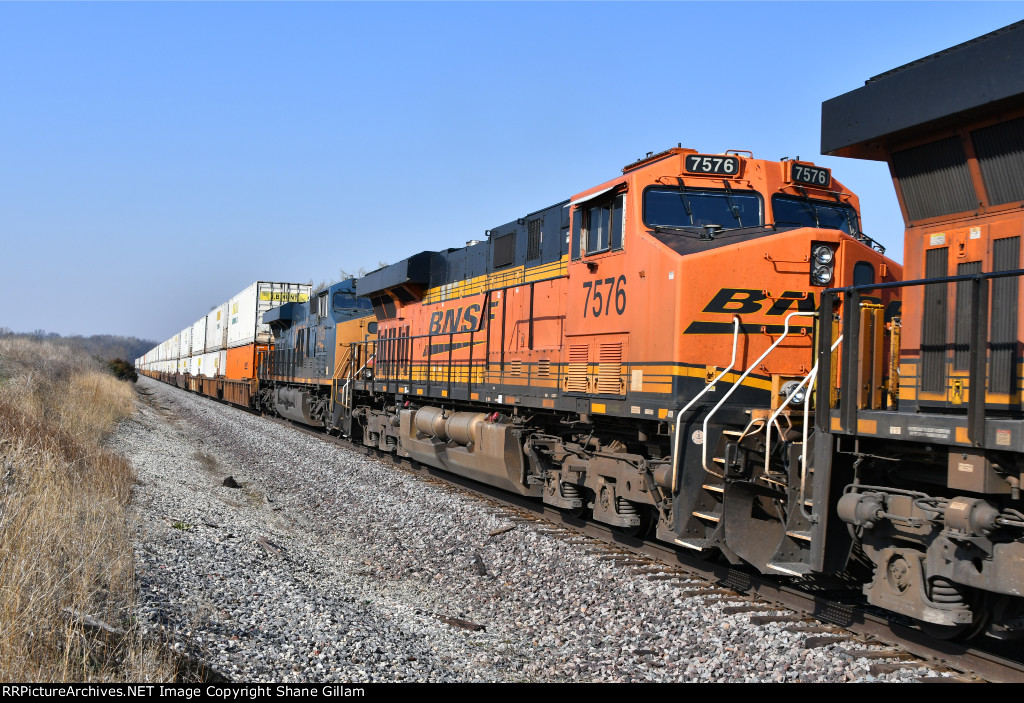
point(823, 621)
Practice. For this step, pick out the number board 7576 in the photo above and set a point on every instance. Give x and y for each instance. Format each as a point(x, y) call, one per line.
point(713, 164)
point(811, 175)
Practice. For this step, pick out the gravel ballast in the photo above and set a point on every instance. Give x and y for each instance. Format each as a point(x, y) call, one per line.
point(325, 565)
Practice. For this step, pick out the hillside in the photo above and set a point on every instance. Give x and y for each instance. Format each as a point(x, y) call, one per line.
point(103, 346)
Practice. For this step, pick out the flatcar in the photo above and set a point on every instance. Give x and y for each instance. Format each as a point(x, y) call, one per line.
point(218, 355)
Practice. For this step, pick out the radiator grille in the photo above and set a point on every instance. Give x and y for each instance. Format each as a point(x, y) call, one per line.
point(962, 314)
point(544, 368)
point(934, 179)
point(1000, 152)
point(576, 378)
point(533, 239)
point(1003, 333)
point(515, 368)
point(933, 332)
point(609, 369)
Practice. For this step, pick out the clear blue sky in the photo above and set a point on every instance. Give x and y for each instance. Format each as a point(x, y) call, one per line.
point(157, 158)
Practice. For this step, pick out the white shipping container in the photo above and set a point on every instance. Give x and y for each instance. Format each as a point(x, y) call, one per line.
point(222, 362)
point(199, 336)
point(217, 328)
point(194, 362)
point(208, 365)
point(245, 310)
point(185, 344)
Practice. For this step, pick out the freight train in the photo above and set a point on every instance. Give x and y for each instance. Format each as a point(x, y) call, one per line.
point(709, 349)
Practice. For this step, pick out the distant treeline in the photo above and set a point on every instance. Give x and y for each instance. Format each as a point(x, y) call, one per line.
point(103, 346)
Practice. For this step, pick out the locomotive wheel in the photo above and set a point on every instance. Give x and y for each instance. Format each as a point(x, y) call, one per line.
point(964, 631)
point(957, 633)
point(580, 513)
point(647, 522)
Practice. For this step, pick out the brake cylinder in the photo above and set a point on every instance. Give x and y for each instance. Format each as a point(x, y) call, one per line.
point(971, 515)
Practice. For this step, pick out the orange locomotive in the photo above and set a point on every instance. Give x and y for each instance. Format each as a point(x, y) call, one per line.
point(641, 351)
point(933, 495)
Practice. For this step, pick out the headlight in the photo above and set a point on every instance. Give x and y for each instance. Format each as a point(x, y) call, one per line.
point(821, 275)
point(798, 392)
point(823, 254)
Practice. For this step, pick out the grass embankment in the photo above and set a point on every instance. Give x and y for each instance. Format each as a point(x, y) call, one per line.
point(65, 531)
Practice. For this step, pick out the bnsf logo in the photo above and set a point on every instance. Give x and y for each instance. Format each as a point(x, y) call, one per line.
point(744, 301)
point(455, 320)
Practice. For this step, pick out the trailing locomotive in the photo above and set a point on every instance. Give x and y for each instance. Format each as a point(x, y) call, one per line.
point(932, 494)
point(305, 376)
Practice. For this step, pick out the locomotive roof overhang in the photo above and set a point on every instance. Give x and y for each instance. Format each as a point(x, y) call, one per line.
point(963, 83)
point(598, 193)
point(414, 270)
point(280, 318)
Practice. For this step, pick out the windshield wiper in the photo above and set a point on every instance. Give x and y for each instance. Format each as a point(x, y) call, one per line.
point(705, 231)
point(732, 204)
point(686, 201)
point(810, 204)
point(851, 223)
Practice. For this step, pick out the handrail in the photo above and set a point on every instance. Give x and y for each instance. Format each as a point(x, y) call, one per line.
point(803, 448)
point(866, 287)
point(709, 386)
point(345, 389)
point(785, 404)
point(736, 384)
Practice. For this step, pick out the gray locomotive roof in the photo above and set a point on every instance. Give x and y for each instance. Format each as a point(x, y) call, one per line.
point(975, 78)
point(415, 269)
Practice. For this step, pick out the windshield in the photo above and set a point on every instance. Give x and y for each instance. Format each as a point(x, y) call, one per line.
point(687, 207)
point(814, 213)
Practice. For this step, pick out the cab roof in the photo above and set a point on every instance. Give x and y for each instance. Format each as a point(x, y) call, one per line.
point(967, 81)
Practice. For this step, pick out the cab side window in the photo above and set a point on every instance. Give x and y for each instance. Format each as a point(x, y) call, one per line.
point(603, 223)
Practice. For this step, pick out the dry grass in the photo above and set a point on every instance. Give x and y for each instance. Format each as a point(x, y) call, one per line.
point(65, 535)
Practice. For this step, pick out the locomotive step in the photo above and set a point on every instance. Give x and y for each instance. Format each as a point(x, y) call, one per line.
point(790, 568)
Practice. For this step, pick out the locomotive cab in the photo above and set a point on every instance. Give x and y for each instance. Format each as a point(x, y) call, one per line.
point(693, 288)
